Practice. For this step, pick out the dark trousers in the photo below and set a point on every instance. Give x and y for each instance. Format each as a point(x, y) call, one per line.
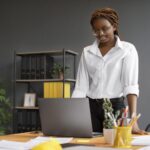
point(97, 112)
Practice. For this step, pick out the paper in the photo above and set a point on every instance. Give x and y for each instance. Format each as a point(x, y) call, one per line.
point(92, 148)
point(62, 140)
point(7, 145)
point(141, 140)
point(40, 139)
point(12, 145)
point(145, 148)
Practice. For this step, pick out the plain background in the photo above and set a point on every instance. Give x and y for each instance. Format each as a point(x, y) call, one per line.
point(39, 25)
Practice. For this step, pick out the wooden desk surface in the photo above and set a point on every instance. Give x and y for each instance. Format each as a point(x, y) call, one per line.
point(24, 137)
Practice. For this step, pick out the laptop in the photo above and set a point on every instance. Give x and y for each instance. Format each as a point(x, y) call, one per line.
point(68, 117)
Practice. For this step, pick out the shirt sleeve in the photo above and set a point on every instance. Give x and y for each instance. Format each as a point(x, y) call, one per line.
point(82, 81)
point(130, 73)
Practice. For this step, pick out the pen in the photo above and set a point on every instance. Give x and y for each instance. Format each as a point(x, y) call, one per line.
point(126, 112)
point(134, 120)
point(124, 115)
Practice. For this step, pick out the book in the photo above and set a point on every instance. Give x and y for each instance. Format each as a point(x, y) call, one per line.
point(49, 66)
point(42, 66)
point(33, 67)
point(23, 67)
point(37, 67)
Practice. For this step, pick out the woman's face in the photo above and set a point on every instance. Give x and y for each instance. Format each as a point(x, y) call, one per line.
point(104, 30)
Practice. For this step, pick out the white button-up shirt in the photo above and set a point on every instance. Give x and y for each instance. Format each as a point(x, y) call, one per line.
point(110, 76)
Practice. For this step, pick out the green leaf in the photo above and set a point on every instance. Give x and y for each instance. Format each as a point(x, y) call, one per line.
point(5, 112)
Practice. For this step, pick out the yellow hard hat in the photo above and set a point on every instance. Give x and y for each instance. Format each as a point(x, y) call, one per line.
point(49, 145)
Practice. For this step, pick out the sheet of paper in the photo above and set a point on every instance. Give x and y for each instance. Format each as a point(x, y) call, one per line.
point(141, 140)
point(92, 148)
point(11, 145)
point(38, 140)
point(61, 140)
point(141, 136)
point(145, 148)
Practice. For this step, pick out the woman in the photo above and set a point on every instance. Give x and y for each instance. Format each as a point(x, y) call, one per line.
point(108, 69)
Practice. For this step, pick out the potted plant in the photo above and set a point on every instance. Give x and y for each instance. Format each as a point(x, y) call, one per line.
point(58, 71)
point(109, 121)
point(5, 113)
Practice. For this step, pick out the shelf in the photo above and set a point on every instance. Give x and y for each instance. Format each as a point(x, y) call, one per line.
point(44, 80)
point(27, 108)
point(31, 70)
point(53, 52)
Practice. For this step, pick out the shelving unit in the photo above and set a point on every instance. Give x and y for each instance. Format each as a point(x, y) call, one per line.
point(24, 116)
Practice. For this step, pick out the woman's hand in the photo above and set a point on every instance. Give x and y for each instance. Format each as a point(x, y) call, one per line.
point(137, 130)
point(132, 102)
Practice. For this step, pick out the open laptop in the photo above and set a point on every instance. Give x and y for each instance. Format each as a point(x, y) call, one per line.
point(65, 117)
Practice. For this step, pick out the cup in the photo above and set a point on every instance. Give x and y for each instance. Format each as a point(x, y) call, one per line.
point(123, 137)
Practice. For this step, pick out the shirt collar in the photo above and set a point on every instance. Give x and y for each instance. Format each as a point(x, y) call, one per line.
point(95, 50)
point(118, 42)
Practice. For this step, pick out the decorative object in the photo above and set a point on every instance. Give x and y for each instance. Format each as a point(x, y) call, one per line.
point(109, 121)
point(29, 99)
point(58, 71)
point(109, 135)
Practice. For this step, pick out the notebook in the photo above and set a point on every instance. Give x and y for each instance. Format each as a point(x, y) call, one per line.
point(68, 117)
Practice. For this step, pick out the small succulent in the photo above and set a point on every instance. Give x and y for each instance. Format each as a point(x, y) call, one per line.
point(109, 117)
point(58, 70)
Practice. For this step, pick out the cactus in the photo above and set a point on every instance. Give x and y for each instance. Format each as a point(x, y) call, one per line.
point(108, 122)
point(109, 117)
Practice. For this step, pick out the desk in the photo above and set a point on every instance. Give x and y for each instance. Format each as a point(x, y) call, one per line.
point(24, 137)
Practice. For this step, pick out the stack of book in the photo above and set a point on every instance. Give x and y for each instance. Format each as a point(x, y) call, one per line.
point(28, 120)
point(36, 66)
point(55, 90)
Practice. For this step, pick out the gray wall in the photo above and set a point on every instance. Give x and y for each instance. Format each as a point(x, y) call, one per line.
point(34, 25)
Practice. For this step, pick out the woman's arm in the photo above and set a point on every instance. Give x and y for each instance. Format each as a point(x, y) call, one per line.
point(132, 102)
point(130, 73)
point(82, 81)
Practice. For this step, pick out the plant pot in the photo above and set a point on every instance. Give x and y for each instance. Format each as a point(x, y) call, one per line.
point(61, 75)
point(109, 135)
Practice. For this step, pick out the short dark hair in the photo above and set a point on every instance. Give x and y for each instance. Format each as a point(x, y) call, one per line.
point(107, 13)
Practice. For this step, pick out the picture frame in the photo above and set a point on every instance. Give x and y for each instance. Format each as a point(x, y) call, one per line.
point(29, 100)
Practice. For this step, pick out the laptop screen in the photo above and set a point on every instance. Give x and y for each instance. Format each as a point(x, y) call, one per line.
point(65, 117)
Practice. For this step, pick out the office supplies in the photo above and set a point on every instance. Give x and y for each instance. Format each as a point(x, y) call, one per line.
point(55, 89)
point(11, 145)
point(92, 148)
point(123, 137)
point(145, 148)
point(68, 117)
point(126, 112)
point(4, 144)
point(40, 139)
point(124, 117)
point(134, 119)
point(141, 140)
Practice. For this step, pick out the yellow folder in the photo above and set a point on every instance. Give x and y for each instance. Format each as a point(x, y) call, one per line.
point(55, 90)
point(46, 90)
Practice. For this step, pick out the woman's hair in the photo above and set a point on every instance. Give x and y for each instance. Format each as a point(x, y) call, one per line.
point(107, 13)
